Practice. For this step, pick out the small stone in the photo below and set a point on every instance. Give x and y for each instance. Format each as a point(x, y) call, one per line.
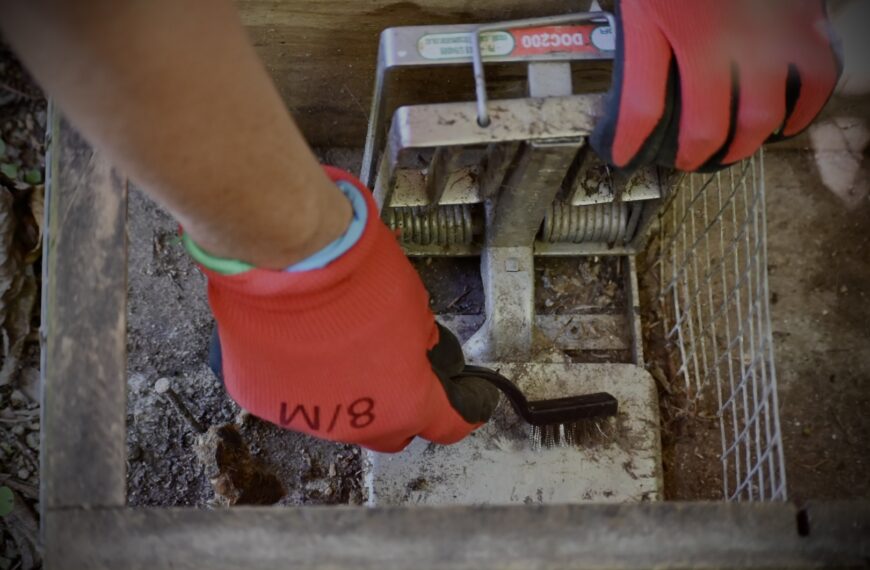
point(549, 303)
point(18, 397)
point(332, 470)
point(319, 486)
point(30, 383)
point(162, 385)
point(844, 289)
point(32, 440)
point(18, 429)
point(23, 474)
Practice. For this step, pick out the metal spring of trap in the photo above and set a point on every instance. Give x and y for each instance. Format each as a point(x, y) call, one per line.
point(609, 222)
point(426, 225)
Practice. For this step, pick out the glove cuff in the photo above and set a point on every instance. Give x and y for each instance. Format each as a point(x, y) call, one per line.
point(296, 288)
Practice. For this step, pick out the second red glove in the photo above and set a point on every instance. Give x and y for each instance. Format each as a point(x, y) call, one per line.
point(700, 84)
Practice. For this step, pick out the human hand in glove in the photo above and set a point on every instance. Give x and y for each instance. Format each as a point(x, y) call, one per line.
point(700, 84)
point(332, 333)
point(347, 351)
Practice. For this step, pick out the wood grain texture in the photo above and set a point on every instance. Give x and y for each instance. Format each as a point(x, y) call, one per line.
point(542, 537)
point(322, 56)
point(84, 327)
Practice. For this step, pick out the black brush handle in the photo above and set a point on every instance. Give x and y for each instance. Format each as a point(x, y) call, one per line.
point(548, 412)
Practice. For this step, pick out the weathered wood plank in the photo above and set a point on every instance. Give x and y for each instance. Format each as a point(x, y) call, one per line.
point(646, 535)
point(84, 327)
point(322, 56)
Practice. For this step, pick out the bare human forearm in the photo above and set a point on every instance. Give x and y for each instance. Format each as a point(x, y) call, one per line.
point(174, 94)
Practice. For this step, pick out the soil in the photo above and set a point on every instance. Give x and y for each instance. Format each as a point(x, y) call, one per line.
point(819, 263)
point(579, 285)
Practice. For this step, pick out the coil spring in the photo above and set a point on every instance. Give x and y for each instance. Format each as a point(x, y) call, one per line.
point(610, 222)
point(423, 225)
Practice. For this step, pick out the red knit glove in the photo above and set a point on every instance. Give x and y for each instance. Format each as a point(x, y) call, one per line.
point(350, 352)
point(700, 84)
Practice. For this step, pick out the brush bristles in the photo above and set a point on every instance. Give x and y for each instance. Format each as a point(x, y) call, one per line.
point(583, 433)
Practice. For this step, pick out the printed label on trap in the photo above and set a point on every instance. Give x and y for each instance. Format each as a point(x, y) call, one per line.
point(544, 40)
point(458, 45)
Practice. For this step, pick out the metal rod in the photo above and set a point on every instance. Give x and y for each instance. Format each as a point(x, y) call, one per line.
point(479, 79)
point(477, 57)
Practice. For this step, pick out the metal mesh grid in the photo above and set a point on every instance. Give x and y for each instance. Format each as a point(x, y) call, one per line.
point(714, 299)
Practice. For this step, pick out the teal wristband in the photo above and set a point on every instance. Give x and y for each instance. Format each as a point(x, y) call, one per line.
point(317, 260)
point(212, 262)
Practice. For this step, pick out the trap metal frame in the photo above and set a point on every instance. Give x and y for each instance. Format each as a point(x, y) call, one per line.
point(86, 523)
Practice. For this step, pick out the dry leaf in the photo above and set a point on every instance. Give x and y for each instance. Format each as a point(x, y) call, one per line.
point(17, 291)
point(37, 210)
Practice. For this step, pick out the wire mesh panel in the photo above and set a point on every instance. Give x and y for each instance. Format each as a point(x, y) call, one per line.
point(714, 298)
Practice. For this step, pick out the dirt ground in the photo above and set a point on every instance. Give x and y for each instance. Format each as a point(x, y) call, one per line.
point(819, 263)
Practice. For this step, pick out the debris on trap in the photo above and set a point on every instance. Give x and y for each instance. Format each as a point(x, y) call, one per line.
point(236, 476)
point(610, 460)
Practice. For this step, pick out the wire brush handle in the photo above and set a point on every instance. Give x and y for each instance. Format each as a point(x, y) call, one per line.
point(547, 412)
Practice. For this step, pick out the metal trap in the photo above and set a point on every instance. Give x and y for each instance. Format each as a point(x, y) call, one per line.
point(511, 180)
